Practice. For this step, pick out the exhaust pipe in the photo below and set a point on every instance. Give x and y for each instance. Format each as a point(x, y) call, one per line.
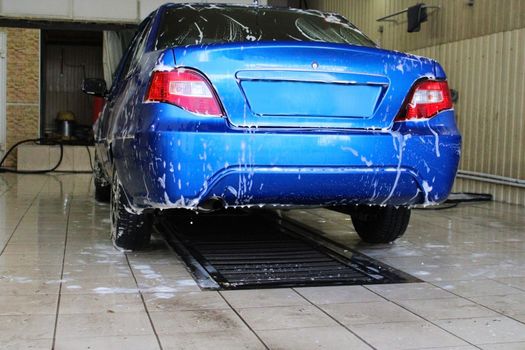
point(212, 204)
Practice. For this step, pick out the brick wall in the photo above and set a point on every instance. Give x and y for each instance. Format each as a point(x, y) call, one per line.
point(23, 86)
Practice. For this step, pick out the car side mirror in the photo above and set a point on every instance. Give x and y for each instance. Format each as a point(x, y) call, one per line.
point(454, 95)
point(94, 86)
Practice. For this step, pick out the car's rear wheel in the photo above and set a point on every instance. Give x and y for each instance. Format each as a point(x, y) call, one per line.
point(376, 224)
point(102, 186)
point(129, 230)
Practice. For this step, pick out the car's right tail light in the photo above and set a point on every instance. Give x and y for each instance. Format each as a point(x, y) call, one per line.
point(186, 89)
point(427, 98)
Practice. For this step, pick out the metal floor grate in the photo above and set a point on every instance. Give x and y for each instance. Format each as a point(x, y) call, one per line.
point(250, 250)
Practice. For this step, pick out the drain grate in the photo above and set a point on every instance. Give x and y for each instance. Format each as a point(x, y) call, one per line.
point(252, 250)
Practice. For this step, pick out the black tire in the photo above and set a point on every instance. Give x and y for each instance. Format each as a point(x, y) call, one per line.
point(129, 230)
point(375, 224)
point(102, 186)
point(102, 191)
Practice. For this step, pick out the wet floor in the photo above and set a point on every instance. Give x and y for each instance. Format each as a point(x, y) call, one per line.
point(62, 284)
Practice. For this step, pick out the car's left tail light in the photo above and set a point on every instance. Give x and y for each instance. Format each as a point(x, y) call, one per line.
point(427, 98)
point(185, 88)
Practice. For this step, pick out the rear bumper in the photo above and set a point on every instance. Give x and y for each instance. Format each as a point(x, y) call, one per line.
point(167, 168)
point(291, 186)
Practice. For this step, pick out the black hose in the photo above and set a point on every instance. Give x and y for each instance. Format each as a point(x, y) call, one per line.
point(441, 206)
point(459, 197)
point(40, 141)
point(90, 161)
point(36, 141)
point(463, 197)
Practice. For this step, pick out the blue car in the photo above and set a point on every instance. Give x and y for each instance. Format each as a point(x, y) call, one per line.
point(216, 106)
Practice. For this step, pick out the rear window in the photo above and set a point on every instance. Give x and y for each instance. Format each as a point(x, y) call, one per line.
point(190, 25)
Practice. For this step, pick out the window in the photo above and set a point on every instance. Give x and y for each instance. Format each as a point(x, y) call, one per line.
point(133, 53)
point(139, 48)
point(191, 25)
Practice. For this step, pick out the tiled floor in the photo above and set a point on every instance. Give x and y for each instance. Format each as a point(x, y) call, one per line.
point(62, 284)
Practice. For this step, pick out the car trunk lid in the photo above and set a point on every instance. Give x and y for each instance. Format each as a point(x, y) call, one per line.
point(306, 84)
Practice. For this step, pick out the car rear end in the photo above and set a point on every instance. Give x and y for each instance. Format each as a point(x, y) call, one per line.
point(266, 107)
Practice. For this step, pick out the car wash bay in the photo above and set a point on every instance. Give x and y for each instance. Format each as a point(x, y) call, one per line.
point(275, 279)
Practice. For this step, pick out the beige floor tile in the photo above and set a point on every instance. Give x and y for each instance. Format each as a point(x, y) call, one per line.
point(52, 229)
point(338, 294)
point(29, 239)
point(224, 340)
point(516, 282)
point(7, 227)
point(407, 291)
point(96, 249)
point(39, 304)
point(503, 346)
point(406, 335)
point(330, 338)
point(133, 342)
point(16, 328)
point(512, 304)
point(30, 259)
point(28, 285)
point(153, 278)
point(35, 249)
point(519, 317)
point(196, 321)
point(154, 258)
point(100, 270)
point(82, 239)
point(105, 303)
point(486, 330)
point(459, 273)
point(369, 312)
point(405, 248)
point(478, 288)
point(466, 347)
point(173, 284)
point(103, 324)
point(44, 271)
point(440, 309)
point(440, 260)
point(42, 217)
point(92, 260)
point(160, 270)
point(102, 285)
point(184, 301)
point(239, 299)
point(284, 317)
point(28, 344)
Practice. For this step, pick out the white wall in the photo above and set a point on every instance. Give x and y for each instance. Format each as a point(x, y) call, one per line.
point(129, 11)
point(3, 52)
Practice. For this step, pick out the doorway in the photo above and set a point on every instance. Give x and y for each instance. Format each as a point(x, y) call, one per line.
point(68, 57)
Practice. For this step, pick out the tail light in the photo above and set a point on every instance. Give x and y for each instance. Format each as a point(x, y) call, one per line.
point(427, 98)
point(185, 88)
